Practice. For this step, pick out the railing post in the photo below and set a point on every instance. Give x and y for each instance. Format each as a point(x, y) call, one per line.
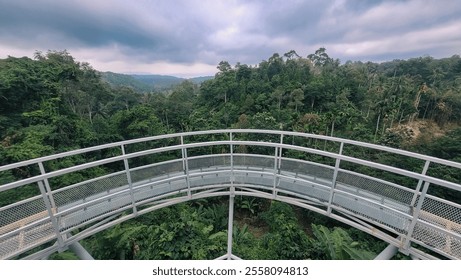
point(130, 183)
point(280, 152)
point(49, 209)
point(333, 181)
point(47, 185)
point(50, 204)
point(277, 166)
point(416, 210)
point(414, 219)
point(232, 177)
point(185, 166)
point(230, 228)
point(420, 183)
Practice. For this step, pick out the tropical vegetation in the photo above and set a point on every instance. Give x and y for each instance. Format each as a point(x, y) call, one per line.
point(52, 103)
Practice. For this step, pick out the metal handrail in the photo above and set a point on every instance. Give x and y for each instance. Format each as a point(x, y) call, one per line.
point(259, 131)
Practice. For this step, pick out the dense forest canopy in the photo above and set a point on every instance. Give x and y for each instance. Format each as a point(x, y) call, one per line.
point(52, 103)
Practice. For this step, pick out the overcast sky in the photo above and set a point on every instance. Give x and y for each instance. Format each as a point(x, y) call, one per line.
point(189, 38)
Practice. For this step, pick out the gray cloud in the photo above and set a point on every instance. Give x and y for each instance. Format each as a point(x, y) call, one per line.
point(157, 36)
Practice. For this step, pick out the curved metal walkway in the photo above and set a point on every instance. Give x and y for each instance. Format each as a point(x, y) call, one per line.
point(316, 172)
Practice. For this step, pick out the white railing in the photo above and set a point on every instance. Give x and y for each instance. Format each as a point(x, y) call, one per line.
point(346, 180)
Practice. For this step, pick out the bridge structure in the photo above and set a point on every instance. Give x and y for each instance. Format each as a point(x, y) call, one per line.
point(411, 201)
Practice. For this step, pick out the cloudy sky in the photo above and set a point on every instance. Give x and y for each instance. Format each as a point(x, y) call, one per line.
point(190, 37)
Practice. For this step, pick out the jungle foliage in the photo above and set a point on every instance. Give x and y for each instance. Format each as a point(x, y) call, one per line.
point(52, 103)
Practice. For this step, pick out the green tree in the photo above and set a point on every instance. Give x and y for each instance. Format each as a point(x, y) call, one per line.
point(297, 97)
point(320, 57)
point(286, 240)
point(139, 121)
point(337, 245)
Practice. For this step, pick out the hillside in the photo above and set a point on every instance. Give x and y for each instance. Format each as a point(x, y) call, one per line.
point(165, 81)
point(147, 83)
point(117, 80)
point(158, 81)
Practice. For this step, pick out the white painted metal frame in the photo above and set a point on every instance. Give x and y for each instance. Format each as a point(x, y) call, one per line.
point(391, 221)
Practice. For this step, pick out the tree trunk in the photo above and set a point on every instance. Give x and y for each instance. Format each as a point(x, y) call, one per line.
point(332, 127)
point(90, 114)
point(166, 118)
point(377, 127)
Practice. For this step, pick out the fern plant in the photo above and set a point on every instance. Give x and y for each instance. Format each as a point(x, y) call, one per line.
point(336, 244)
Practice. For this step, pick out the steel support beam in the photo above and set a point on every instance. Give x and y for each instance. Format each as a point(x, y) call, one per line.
point(387, 253)
point(230, 228)
point(80, 251)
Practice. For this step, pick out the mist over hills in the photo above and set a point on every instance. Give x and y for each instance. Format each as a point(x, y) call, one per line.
point(147, 83)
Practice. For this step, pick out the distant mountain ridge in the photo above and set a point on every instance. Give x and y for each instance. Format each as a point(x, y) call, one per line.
point(147, 83)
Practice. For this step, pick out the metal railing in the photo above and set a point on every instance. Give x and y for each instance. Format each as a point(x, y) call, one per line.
point(409, 200)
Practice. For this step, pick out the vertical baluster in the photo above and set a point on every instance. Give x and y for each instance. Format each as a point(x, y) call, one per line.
point(185, 166)
point(416, 209)
point(50, 204)
point(51, 211)
point(130, 183)
point(335, 176)
point(277, 165)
